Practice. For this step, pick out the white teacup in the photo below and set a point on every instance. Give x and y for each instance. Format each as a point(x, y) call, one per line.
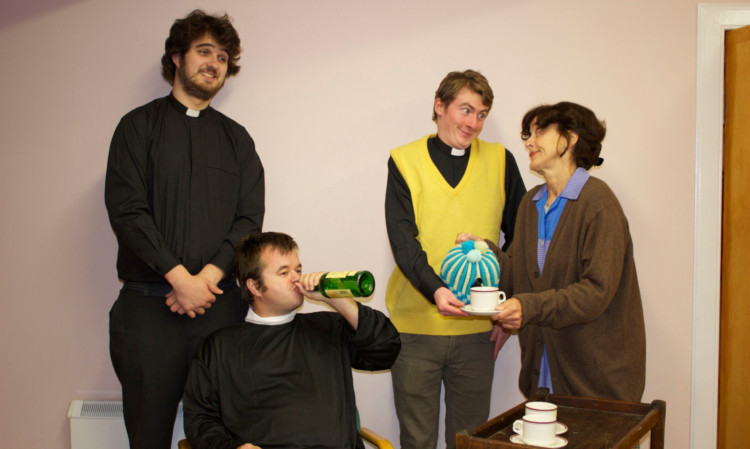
point(541, 408)
point(485, 298)
point(536, 429)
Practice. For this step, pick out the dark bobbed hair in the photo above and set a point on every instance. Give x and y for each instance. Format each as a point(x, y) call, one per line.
point(194, 26)
point(570, 117)
point(455, 81)
point(248, 263)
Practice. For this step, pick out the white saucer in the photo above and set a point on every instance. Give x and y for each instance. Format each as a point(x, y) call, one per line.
point(559, 442)
point(467, 308)
point(560, 428)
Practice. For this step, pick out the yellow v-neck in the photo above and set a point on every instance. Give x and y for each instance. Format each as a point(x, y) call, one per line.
point(453, 191)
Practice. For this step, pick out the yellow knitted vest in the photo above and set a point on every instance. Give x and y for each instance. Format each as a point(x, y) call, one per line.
point(441, 212)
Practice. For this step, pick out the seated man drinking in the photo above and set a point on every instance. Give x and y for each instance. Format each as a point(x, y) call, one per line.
point(283, 379)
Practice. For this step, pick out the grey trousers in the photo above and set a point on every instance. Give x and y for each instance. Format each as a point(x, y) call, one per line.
point(463, 364)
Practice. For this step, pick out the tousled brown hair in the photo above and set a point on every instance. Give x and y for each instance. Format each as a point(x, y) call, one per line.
point(455, 81)
point(194, 26)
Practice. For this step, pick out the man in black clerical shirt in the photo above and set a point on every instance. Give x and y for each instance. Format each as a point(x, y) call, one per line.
point(283, 379)
point(184, 184)
point(438, 186)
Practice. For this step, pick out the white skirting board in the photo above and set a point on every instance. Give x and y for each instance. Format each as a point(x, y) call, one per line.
point(100, 425)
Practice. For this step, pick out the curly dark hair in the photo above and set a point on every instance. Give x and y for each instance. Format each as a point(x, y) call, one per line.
point(455, 81)
point(194, 26)
point(570, 117)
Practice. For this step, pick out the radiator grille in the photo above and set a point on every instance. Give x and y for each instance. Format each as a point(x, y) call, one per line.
point(107, 409)
point(101, 409)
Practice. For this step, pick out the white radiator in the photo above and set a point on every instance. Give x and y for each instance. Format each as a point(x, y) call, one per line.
point(100, 425)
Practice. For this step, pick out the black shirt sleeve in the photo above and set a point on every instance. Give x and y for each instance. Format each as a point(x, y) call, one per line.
point(376, 343)
point(204, 424)
point(127, 198)
point(514, 191)
point(402, 230)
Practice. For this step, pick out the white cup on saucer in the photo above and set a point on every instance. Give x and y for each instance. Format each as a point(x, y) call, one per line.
point(541, 408)
point(536, 430)
point(546, 408)
point(482, 298)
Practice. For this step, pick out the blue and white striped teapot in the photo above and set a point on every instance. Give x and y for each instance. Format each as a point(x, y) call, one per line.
point(466, 263)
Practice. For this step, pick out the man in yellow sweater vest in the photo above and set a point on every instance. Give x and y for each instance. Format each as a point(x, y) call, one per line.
point(438, 186)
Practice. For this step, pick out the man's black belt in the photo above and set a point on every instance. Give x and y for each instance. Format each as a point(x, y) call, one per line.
point(160, 289)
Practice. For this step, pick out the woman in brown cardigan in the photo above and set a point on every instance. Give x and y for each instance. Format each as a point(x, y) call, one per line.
point(569, 273)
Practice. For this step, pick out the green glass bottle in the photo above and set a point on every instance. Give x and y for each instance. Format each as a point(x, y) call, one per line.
point(346, 284)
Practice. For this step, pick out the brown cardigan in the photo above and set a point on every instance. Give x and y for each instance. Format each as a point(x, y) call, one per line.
point(586, 306)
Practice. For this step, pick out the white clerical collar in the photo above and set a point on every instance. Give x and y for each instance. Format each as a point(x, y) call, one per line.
point(252, 317)
point(457, 152)
point(192, 113)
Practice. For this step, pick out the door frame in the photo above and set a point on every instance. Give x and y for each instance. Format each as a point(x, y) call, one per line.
point(713, 21)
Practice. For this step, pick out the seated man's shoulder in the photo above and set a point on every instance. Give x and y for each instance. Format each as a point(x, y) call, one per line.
point(226, 335)
point(325, 324)
point(318, 318)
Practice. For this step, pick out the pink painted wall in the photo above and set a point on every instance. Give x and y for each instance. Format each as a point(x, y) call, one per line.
point(326, 89)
